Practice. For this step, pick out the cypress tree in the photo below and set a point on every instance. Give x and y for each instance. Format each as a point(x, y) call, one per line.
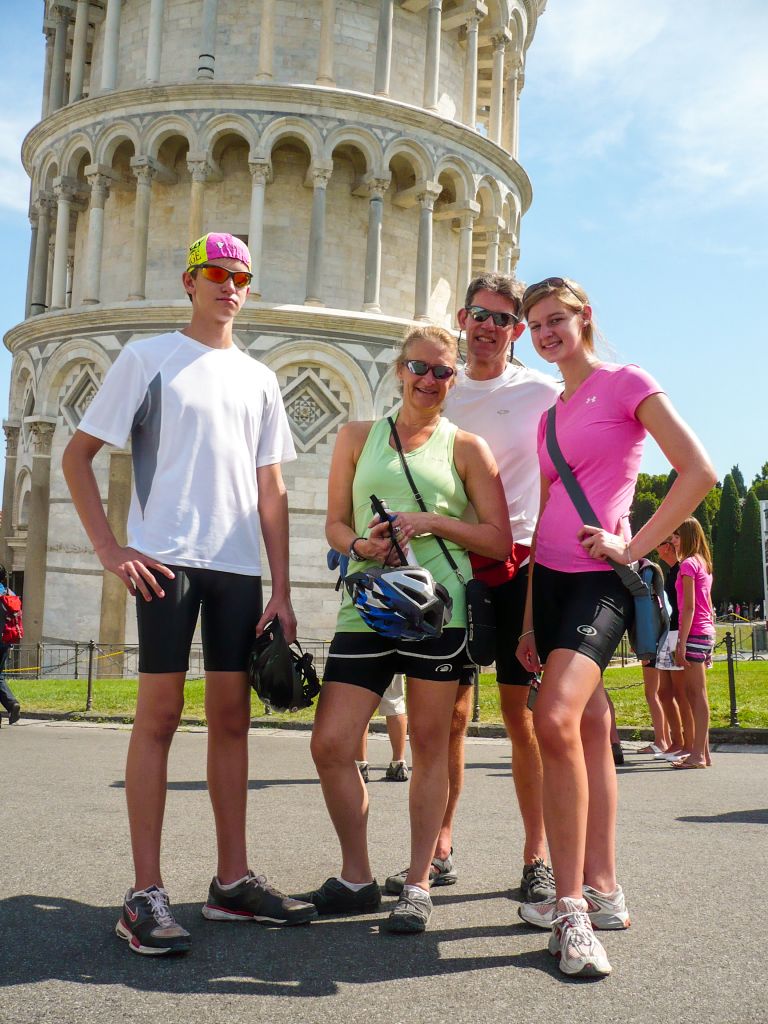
point(643, 507)
point(702, 514)
point(728, 525)
point(738, 479)
point(747, 566)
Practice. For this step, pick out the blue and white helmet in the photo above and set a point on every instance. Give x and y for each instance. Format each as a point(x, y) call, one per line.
point(404, 603)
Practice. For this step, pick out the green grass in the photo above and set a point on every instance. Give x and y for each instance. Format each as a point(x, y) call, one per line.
point(117, 697)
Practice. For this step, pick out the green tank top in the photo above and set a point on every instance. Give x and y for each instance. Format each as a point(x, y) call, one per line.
point(379, 472)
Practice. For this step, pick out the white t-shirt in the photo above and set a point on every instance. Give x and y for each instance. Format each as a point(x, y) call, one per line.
point(201, 421)
point(505, 411)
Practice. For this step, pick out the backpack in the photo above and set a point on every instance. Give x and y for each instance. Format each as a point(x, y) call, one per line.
point(10, 618)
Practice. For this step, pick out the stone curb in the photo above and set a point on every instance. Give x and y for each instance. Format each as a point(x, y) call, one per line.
point(739, 737)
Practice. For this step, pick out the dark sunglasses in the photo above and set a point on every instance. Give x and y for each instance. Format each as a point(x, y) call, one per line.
point(550, 282)
point(421, 369)
point(481, 314)
point(240, 278)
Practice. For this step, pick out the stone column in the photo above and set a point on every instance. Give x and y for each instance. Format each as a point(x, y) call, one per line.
point(155, 41)
point(113, 592)
point(506, 243)
point(49, 272)
point(325, 67)
point(492, 251)
point(35, 562)
point(9, 487)
point(266, 40)
point(515, 85)
point(207, 59)
point(260, 171)
point(64, 199)
point(70, 278)
point(320, 177)
point(383, 49)
point(40, 275)
point(371, 290)
point(464, 268)
point(470, 72)
point(58, 66)
point(426, 199)
point(199, 171)
point(499, 42)
point(99, 183)
point(432, 61)
point(144, 174)
point(111, 39)
point(79, 44)
point(49, 34)
point(31, 263)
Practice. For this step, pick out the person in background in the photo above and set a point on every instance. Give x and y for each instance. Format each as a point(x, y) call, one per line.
point(7, 696)
point(392, 706)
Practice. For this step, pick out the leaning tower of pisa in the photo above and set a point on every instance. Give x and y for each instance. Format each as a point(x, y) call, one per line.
point(365, 150)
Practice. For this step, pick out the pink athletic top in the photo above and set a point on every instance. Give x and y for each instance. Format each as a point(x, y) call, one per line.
point(602, 442)
point(702, 585)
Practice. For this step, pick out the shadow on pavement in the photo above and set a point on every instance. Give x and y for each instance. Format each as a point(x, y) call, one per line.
point(60, 939)
point(195, 785)
point(757, 817)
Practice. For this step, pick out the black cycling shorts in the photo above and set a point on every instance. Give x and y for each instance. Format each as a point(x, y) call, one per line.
point(586, 612)
point(509, 606)
point(231, 607)
point(370, 660)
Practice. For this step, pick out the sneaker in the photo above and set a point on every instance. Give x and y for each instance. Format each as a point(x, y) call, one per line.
point(148, 925)
point(362, 767)
point(607, 911)
point(574, 942)
point(254, 899)
point(618, 753)
point(14, 713)
point(397, 771)
point(411, 912)
point(442, 872)
point(538, 882)
point(333, 897)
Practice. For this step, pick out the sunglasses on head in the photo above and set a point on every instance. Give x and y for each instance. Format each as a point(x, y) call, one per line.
point(550, 282)
point(421, 369)
point(481, 314)
point(240, 278)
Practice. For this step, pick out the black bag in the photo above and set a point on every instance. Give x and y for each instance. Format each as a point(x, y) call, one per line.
point(646, 585)
point(481, 617)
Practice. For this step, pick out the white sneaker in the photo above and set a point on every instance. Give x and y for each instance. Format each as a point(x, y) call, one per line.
point(607, 911)
point(574, 942)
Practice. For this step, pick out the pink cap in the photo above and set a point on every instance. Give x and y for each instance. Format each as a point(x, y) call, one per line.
point(217, 246)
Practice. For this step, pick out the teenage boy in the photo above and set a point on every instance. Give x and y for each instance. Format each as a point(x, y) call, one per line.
point(502, 402)
point(208, 433)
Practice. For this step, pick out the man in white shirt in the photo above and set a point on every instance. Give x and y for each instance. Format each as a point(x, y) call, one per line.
point(502, 402)
point(208, 433)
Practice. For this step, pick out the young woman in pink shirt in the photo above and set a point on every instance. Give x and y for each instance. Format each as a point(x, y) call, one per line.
point(578, 608)
point(697, 635)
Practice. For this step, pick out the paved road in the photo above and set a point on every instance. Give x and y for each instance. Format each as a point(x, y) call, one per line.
point(693, 860)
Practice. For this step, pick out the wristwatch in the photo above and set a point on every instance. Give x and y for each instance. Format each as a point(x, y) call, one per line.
point(353, 555)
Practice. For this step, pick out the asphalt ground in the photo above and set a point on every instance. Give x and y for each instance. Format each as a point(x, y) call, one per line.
point(693, 861)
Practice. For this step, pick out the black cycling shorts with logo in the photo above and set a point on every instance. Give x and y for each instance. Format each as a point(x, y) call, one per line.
point(231, 606)
point(370, 660)
point(586, 612)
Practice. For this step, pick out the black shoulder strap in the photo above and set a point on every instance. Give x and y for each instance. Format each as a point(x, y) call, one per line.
point(418, 497)
point(629, 577)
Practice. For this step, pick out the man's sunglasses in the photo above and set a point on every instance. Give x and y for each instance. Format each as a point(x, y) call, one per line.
point(421, 369)
point(550, 282)
point(481, 314)
point(240, 278)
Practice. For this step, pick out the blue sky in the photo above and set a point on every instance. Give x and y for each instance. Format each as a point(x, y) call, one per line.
point(643, 132)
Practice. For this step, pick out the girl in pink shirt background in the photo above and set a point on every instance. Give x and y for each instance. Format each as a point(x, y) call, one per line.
point(578, 609)
point(696, 637)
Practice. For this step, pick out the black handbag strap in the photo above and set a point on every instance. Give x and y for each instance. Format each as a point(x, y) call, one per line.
point(629, 576)
point(419, 499)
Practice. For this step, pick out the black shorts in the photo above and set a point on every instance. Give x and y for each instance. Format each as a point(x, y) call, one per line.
point(586, 612)
point(370, 660)
point(509, 607)
point(231, 606)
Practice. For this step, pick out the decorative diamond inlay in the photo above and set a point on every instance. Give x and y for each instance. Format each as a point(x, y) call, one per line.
point(79, 397)
point(313, 409)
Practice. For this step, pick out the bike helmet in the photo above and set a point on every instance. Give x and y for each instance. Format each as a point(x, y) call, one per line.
point(404, 603)
point(283, 679)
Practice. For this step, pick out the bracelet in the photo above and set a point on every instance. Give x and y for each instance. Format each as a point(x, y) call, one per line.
point(353, 554)
point(528, 632)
